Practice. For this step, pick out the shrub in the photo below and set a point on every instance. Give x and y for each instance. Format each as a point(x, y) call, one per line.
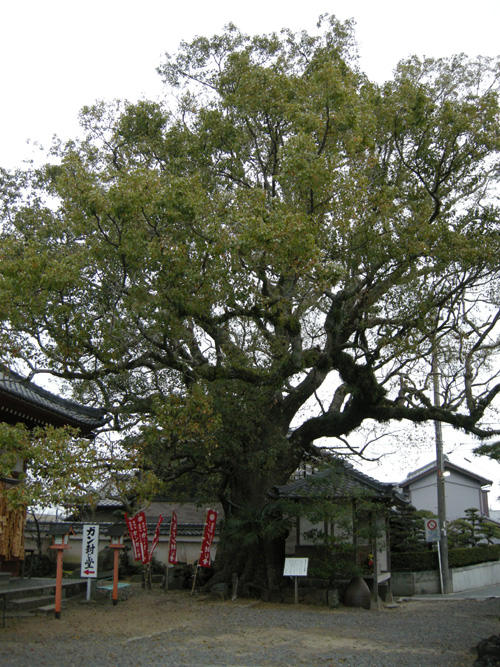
point(414, 561)
point(43, 566)
point(428, 560)
point(472, 556)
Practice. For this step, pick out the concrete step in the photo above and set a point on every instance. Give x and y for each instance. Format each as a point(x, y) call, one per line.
point(29, 603)
point(47, 609)
point(16, 614)
point(4, 579)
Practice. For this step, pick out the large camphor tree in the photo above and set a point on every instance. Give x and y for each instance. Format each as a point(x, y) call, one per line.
point(275, 255)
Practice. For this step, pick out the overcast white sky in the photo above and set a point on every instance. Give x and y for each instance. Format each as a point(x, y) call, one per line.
point(58, 55)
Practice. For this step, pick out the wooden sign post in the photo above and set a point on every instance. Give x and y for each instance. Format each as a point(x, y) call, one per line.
point(296, 567)
point(90, 548)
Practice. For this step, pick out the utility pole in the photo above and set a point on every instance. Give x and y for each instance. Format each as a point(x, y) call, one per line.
point(441, 491)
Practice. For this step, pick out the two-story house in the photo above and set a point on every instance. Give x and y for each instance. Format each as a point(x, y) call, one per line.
point(463, 490)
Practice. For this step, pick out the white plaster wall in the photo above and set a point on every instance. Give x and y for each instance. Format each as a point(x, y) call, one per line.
point(461, 494)
point(477, 576)
point(188, 549)
point(382, 565)
point(462, 578)
point(304, 527)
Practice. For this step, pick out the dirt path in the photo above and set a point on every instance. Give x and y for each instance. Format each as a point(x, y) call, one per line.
point(173, 628)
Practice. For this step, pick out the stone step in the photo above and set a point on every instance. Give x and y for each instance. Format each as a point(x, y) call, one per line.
point(4, 579)
point(27, 604)
point(14, 592)
point(47, 609)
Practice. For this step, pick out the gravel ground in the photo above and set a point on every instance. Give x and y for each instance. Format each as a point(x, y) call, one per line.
point(173, 628)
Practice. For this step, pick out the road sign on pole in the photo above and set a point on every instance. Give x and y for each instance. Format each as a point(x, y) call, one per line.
point(431, 530)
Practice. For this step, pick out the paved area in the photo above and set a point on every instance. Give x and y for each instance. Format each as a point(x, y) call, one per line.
point(25, 584)
point(160, 628)
point(19, 585)
point(16, 584)
point(485, 593)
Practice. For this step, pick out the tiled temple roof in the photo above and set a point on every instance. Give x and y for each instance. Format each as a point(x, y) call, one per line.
point(341, 481)
point(24, 401)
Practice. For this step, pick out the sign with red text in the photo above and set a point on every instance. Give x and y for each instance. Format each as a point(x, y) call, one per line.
point(90, 547)
point(172, 544)
point(138, 531)
point(156, 537)
point(208, 536)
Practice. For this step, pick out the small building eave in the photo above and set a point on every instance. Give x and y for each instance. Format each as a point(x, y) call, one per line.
point(340, 483)
point(24, 401)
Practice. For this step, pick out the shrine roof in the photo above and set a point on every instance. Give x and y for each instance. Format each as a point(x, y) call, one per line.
point(26, 402)
point(339, 482)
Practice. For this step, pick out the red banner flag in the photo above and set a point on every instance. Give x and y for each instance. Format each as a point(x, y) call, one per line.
point(156, 537)
point(208, 536)
point(172, 545)
point(138, 531)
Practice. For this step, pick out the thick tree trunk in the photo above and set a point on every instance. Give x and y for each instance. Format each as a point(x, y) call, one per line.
point(255, 550)
point(275, 560)
point(251, 543)
point(259, 568)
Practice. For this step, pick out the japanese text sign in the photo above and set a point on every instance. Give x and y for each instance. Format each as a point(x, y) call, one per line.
point(296, 567)
point(90, 548)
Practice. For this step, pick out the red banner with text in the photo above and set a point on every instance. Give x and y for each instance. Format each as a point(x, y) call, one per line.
point(138, 531)
point(156, 537)
point(172, 545)
point(208, 536)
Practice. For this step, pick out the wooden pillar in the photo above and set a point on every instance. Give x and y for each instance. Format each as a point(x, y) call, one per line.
point(355, 534)
point(388, 599)
point(59, 574)
point(116, 543)
point(60, 547)
point(373, 529)
point(115, 576)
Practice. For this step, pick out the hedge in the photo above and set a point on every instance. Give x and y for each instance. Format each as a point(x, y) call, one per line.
point(418, 561)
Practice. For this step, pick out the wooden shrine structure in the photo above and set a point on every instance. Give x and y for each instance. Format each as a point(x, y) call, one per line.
point(25, 402)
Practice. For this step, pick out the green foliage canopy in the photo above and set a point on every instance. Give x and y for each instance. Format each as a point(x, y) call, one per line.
point(58, 466)
point(274, 252)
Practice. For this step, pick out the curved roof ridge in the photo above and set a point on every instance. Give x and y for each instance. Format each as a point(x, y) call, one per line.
point(22, 394)
point(351, 480)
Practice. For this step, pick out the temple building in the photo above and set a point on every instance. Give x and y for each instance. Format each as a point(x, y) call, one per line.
point(23, 402)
